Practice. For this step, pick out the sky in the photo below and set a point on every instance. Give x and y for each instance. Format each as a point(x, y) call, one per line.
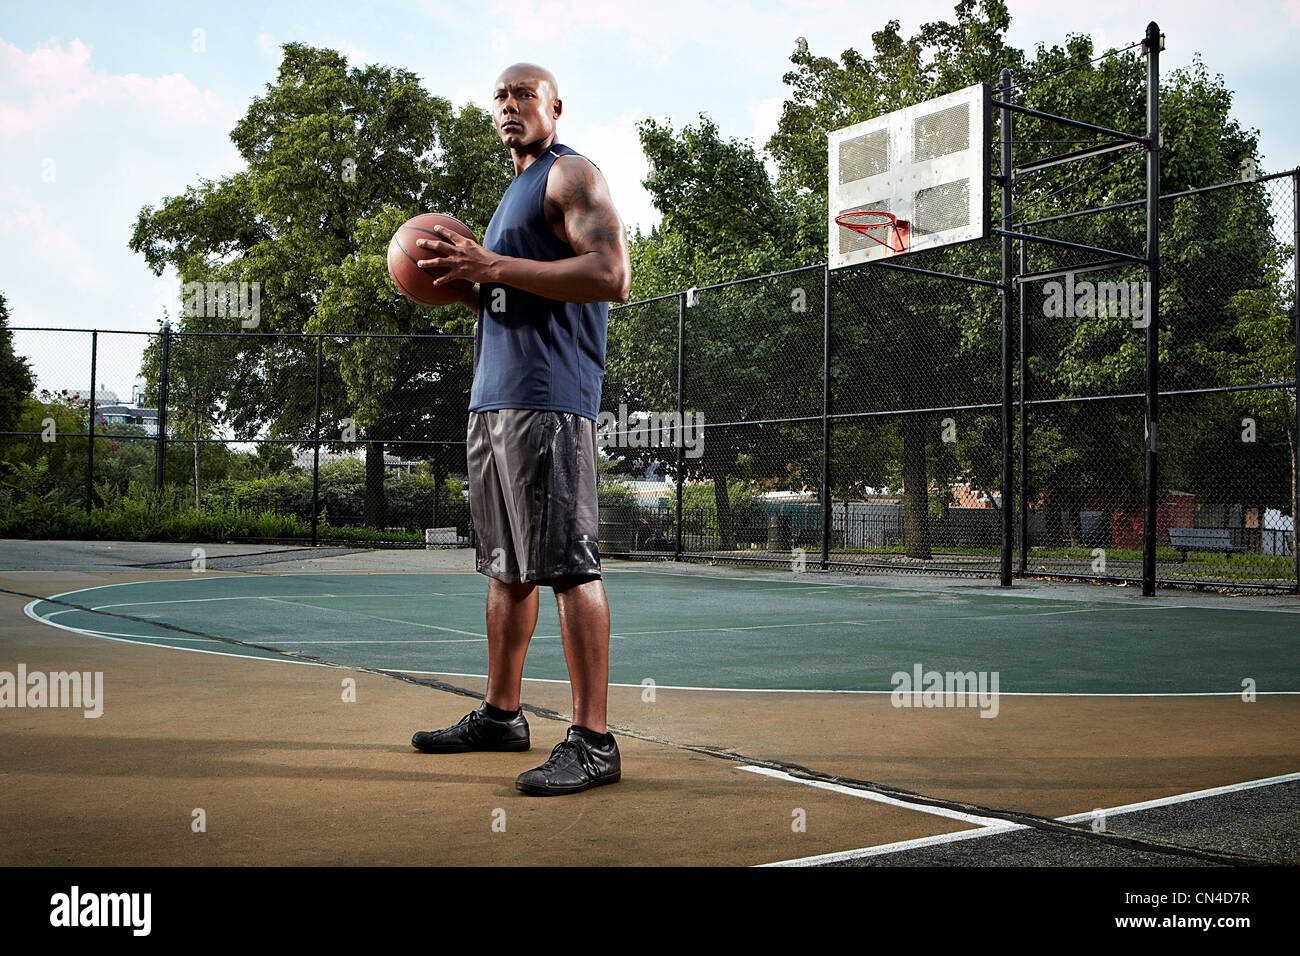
point(108, 108)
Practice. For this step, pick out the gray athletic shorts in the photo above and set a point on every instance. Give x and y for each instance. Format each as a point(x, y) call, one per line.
point(532, 494)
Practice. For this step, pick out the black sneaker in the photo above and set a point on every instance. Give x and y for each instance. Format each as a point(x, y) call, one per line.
point(476, 731)
point(575, 765)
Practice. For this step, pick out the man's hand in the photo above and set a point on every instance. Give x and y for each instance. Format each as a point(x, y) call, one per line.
point(455, 257)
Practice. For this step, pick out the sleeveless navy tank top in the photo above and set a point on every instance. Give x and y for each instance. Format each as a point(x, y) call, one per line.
point(530, 351)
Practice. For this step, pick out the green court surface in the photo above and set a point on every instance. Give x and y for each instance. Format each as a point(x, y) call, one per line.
point(684, 630)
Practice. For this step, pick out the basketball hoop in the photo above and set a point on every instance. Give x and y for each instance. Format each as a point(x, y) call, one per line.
point(873, 224)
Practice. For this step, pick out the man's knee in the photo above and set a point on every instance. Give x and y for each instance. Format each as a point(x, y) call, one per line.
point(515, 591)
point(565, 583)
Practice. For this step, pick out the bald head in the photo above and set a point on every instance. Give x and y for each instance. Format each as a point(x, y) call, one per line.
point(525, 106)
point(524, 72)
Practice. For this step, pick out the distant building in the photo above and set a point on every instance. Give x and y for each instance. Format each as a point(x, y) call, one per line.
point(115, 414)
point(966, 496)
point(305, 457)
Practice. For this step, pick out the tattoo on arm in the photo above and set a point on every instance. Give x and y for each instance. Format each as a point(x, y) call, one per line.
point(585, 212)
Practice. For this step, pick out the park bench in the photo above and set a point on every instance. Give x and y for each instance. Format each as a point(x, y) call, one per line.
point(1203, 539)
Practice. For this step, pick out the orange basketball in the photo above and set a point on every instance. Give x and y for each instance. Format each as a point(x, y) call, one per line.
point(403, 254)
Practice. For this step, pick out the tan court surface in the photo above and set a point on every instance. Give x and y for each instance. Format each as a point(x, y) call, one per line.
point(286, 772)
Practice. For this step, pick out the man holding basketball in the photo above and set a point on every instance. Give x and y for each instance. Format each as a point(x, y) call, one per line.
point(553, 257)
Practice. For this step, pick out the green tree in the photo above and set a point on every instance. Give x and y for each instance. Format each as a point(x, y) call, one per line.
point(932, 338)
point(53, 466)
point(1267, 326)
point(16, 379)
point(939, 340)
point(336, 159)
point(723, 217)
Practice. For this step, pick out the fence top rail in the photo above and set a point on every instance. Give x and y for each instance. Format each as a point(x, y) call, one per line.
point(669, 295)
point(722, 285)
point(257, 335)
point(653, 298)
point(1178, 195)
point(769, 275)
point(1030, 222)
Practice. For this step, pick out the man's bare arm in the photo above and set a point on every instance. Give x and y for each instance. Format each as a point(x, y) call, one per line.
point(467, 297)
point(578, 198)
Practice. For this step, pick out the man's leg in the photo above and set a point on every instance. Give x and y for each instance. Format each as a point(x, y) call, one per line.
point(584, 628)
point(511, 618)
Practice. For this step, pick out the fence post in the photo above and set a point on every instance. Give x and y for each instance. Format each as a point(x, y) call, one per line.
point(1151, 473)
point(1023, 497)
point(826, 422)
point(681, 415)
point(90, 440)
point(315, 465)
point(160, 463)
point(1295, 442)
point(1008, 478)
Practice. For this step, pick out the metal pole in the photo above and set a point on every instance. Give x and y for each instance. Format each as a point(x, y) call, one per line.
point(1295, 440)
point(315, 465)
point(1024, 417)
point(90, 455)
point(681, 415)
point(1008, 478)
point(1152, 45)
point(160, 463)
point(826, 421)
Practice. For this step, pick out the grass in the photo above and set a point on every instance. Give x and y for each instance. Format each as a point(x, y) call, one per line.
point(1199, 564)
point(155, 516)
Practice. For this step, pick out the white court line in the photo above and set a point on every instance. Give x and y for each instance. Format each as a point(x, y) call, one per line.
point(393, 620)
point(1186, 797)
point(878, 797)
point(797, 587)
point(883, 620)
point(1212, 607)
point(284, 597)
point(1002, 826)
point(814, 690)
point(136, 639)
point(887, 848)
point(1023, 593)
point(390, 620)
point(620, 634)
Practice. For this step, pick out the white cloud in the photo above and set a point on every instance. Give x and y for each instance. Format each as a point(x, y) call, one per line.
point(116, 142)
point(468, 94)
point(356, 56)
point(765, 115)
point(49, 83)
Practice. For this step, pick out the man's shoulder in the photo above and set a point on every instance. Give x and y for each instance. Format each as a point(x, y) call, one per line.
point(572, 166)
point(573, 178)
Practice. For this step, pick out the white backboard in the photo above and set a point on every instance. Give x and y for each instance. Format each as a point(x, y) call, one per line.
point(927, 164)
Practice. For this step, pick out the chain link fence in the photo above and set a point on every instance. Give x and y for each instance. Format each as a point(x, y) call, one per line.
point(350, 438)
point(848, 418)
point(869, 435)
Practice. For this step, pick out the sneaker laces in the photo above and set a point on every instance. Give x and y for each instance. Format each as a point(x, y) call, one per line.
point(557, 754)
point(468, 721)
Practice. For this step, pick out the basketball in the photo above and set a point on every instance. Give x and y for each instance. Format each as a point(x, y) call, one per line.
point(403, 254)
